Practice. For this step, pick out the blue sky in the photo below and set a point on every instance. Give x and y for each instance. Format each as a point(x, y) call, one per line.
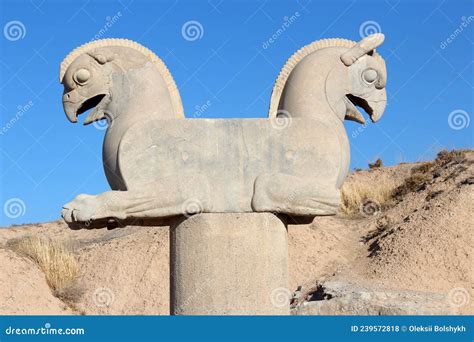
point(227, 70)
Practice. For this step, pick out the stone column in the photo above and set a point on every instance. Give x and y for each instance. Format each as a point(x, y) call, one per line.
point(229, 264)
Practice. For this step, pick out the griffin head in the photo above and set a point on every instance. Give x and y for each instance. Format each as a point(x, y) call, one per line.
point(337, 73)
point(365, 79)
point(98, 73)
point(86, 85)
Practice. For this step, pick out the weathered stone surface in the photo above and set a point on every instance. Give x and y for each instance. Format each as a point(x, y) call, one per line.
point(329, 78)
point(230, 264)
point(237, 165)
point(159, 164)
point(339, 298)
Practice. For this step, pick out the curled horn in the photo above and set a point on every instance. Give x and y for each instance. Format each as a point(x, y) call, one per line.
point(361, 48)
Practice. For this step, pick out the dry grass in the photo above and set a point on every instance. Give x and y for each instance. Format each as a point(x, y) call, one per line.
point(455, 156)
point(355, 193)
point(417, 181)
point(424, 173)
point(56, 261)
point(384, 190)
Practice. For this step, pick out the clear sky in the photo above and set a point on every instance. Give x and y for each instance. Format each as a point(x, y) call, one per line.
point(224, 63)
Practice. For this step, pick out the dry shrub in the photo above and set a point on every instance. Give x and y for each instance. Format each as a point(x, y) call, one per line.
point(423, 167)
point(424, 173)
point(355, 193)
point(56, 261)
point(378, 163)
point(456, 156)
point(417, 181)
point(384, 190)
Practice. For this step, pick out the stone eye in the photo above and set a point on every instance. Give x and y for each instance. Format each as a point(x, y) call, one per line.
point(82, 76)
point(369, 75)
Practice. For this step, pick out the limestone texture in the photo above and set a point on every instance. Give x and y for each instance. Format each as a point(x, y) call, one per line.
point(161, 165)
point(229, 264)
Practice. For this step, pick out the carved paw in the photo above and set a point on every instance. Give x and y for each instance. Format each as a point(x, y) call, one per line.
point(86, 208)
point(278, 193)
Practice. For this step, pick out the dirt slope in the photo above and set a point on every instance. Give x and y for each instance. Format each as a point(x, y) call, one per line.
point(421, 241)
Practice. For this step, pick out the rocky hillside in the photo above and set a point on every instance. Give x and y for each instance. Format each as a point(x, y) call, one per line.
point(403, 244)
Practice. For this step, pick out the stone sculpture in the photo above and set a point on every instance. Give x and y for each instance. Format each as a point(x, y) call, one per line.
point(160, 164)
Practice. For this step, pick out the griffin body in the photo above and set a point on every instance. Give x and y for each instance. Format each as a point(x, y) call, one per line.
point(160, 164)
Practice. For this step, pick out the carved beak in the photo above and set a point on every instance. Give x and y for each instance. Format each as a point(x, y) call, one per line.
point(73, 106)
point(377, 101)
point(373, 104)
point(70, 111)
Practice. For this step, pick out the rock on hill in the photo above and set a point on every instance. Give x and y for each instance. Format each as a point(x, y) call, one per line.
point(407, 251)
